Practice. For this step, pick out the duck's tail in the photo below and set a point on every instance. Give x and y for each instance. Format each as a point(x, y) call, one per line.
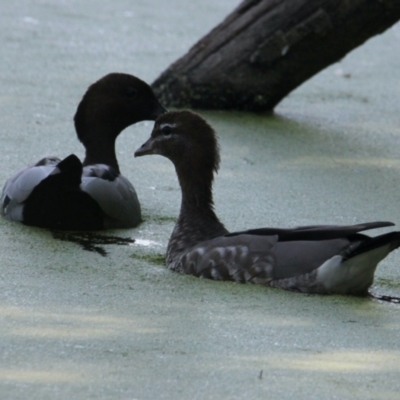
point(353, 271)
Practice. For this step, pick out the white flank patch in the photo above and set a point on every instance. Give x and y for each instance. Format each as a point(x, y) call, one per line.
point(354, 274)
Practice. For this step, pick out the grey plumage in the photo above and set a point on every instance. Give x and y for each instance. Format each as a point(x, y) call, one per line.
point(117, 197)
point(18, 188)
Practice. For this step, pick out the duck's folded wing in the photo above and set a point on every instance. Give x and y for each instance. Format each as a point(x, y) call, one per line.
point(115, 195)
point(341, 265)
point(257, 259)
point(18, 188)
point(315, 232)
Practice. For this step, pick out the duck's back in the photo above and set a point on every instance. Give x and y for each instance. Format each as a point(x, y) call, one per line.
point(63, 195)
point(48, 195)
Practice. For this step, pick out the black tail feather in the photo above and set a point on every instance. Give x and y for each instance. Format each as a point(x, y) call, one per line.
point(392, 238)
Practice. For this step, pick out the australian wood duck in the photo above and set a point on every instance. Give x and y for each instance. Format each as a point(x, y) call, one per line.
point(312, 259)
point(91, 195)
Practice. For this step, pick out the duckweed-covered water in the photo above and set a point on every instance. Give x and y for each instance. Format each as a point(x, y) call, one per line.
point(83, 324)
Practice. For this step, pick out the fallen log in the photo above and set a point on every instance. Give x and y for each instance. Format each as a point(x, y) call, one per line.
point(266, 48)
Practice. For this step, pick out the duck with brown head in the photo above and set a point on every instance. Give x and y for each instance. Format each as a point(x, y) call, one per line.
point(91, 195)
point(312, 259)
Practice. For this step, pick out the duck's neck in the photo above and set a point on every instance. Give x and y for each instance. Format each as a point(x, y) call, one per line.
point(100, 149)
point(197, 220)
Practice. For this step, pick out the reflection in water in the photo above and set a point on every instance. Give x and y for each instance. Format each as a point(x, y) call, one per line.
point(30, 375)
point(361, 361)
point(92, 241)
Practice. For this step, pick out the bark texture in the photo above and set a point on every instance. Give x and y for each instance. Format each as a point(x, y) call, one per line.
point(266, 48)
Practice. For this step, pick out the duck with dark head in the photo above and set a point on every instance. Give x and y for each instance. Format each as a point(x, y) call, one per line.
point(70, 195)
point(311, 259)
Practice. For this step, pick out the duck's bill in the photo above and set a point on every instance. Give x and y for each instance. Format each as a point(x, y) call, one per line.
point(157, 111)
point(146, 149)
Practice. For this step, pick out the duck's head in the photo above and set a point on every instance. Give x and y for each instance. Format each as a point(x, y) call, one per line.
point(113, 103)
point(186, 139)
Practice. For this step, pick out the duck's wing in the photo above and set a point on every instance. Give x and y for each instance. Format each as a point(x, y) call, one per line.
point(114, 193)
point(256, 258)
point(315, 232)
point(340, 265)
point(18, 188)
point(57, 202)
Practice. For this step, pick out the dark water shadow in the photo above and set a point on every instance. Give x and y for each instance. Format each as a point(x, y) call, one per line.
point(92, 241)
point(388, 299)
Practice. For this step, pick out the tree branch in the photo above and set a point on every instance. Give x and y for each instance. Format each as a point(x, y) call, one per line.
point(266, 48)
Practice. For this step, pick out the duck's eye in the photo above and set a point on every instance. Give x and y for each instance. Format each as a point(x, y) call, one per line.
point(131, 91)
point(166, 130)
